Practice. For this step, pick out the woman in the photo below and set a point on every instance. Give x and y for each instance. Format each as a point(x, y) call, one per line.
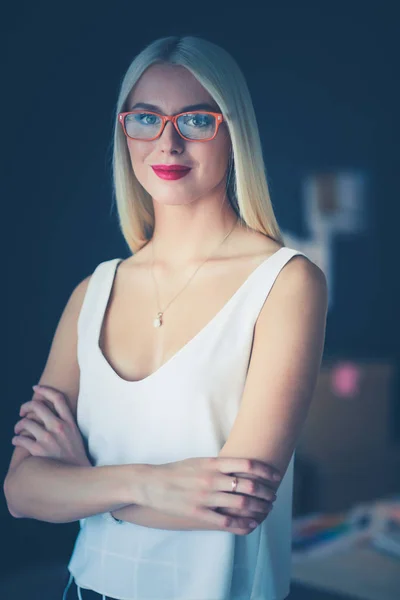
point(189, 389)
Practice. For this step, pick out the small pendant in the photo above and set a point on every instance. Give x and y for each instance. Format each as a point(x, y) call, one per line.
point(158, 320)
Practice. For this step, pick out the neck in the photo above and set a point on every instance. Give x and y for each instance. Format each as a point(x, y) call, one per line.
point(181, 238)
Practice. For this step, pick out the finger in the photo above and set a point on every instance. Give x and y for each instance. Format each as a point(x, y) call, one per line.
point(19, 428)
point(26, 433)
point(49, 419)
point(242, 526)
point(43, 401)
point(242, 522)
point(59, 401)
point(247, 466)
point(238, 502)
point(32, 427)
point(241, 512)
point(32, 415)
point(245, 486)
point(253, 487)
point(246, 516)
point(31, 445)
point(210, 516)
point(38, 400)
point(236, 524)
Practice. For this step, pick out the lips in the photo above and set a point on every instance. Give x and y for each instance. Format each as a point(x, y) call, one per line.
point(170, 167)
point(170, 171)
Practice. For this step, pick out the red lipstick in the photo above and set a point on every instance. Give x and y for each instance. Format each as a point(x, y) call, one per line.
point(170, 172)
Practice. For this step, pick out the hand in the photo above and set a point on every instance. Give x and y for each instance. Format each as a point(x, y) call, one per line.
point(201, 488)
point(48, 429)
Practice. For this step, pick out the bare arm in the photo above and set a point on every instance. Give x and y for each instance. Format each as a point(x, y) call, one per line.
point(284, 366)
point(148, 517)
point(52, 491)
point(48, 489)
point(140, 514)
point(283, 371)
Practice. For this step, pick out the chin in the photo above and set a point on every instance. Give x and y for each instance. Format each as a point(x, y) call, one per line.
point(172, 199)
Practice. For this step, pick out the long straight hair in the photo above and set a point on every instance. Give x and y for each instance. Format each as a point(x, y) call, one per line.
point(219, 74)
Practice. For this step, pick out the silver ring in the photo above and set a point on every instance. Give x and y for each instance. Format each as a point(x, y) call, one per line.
point(234, 484)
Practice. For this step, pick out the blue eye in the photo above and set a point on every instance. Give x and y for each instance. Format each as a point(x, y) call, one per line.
point(198, 120)
point(146, 119)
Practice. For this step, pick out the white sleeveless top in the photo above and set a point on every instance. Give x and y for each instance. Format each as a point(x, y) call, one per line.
point(184, 409)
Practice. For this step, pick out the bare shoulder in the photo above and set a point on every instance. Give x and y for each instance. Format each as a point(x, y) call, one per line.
point(302, 275)
point(61, 370)
point(300, 287)
point(299, 277)
point(78, 293)
point(254, 246)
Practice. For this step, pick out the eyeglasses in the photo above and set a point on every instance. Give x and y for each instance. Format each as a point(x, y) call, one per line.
point(195, 126)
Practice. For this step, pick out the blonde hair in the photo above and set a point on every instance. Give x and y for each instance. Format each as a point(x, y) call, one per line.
point(220, 75)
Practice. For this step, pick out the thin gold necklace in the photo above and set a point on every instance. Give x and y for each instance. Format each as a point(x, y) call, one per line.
point(157, 322)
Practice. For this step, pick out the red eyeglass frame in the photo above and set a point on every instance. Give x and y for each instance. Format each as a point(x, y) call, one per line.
point(219, 118)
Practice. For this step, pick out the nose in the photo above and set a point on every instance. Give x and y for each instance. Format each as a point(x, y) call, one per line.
point(170, 140)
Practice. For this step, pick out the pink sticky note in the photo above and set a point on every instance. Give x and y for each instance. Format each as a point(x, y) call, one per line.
point(346, 380)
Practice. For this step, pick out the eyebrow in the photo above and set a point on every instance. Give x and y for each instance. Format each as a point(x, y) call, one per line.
point(154, 108)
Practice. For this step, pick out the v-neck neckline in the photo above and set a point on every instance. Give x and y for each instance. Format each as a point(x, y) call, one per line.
point(186, 347)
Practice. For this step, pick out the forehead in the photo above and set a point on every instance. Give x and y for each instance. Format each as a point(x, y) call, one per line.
point(171, 87)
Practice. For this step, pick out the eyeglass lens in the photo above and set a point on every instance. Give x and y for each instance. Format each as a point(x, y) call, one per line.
point(146, 125)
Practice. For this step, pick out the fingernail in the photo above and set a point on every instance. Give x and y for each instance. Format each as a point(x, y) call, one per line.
point(276, 477)
point(253, 524)
point(35, 387)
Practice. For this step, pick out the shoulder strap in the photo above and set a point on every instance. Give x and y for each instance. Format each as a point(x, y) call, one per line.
point(258, 292)
point(94, 303)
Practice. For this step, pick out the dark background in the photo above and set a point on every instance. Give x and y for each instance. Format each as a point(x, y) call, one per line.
point(324, 81)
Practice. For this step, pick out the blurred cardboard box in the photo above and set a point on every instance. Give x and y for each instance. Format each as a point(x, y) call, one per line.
point(347, 452)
